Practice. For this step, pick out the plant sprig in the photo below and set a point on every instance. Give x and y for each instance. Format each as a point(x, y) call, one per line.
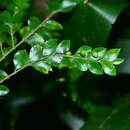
point(43, 58)
point(45, 53)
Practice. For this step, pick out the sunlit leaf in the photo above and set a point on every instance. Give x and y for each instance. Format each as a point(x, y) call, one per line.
point(35, 40)
point(109, 68)
point(3, 74)
point(63, 47)
point(35, 53)
point(84, 50)
point(111, 54)
point(99, 52)
point(21, 58)
point(50, 47)
point(118, 61)
point(43, 67)
point(33, 22)
point(3, 90)
point(53, 25)
point(94, 67)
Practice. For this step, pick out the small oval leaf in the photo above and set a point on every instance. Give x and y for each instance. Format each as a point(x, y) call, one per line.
point(43, 67)
point(84, 50)
point(3, 74)
point(108, 68)
point(94, 67)
point(35, 40)
point(111, 54)
point(3, 90)
point(53, 25)
point(118, 61)
point(21, 58)
point(50, 47)
point(99, 52)
point(63, 47)
point(35, 53)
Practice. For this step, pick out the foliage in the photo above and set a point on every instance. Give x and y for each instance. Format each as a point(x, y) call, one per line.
point(26, 42)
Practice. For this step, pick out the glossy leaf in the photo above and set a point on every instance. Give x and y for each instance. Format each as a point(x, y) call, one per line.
point(50, 47)
point(53, 25)
point(33, 22)
point(111, 54)
point(3, 90)
point(108, 68)
point(35, 53)
point(94, 67)
point(84, 51)
point(21, 58)
point(55, 60)
point(24, 31)
point(45, 34)
point(35, 40)
point(80, 63)
point(118, 61)
point(99, 52)
point(3, 74)
point(42, 67)
point(63, 47)
point(92, 22)
point(63, 5)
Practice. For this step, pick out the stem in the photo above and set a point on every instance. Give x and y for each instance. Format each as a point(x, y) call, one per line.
point(17, 71)
point(1, 48)
point(30, 63)
point(14, 73)
point(25, 38)
point(12, 36)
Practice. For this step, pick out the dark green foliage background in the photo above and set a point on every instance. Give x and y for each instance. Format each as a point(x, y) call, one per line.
point(70, 99)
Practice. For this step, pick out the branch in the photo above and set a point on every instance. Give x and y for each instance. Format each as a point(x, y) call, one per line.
point(30, 34)
point(30, 63)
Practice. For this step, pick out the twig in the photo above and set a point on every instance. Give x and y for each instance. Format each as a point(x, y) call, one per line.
point(30, 63)
point(25, 38)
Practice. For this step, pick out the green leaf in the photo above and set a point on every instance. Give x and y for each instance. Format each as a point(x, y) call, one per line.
point(50, 47)
point(79, 63)
point(53, 25)
point(9, 40)
point(63, 5)
point(35, 40)
point(94, 67)
point(67, 5)
point(63, 47)
point(42, 67)
point(24, 31)
point(108, 68)
point(35, 53)
point(3, 90)
point(118, 61)
point(91, 22)
point(3, 74)
point(111, 54)
point(33, 22)
point(21, 58)
point(4, 29)
point(99, 52)
point(16, 27)
point(45, 34)
point(22, 4)
point(55, 60)
point(114, 117)
point(84, 50)
point(6, 17)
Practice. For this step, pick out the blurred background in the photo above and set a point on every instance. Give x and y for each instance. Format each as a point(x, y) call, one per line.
point(66, 99)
